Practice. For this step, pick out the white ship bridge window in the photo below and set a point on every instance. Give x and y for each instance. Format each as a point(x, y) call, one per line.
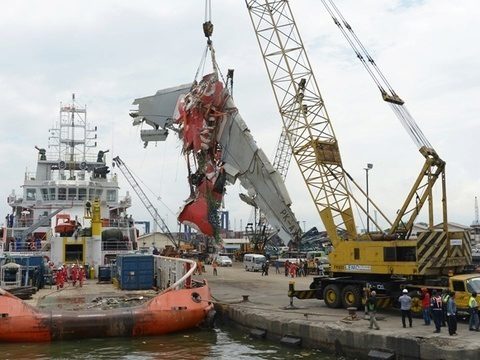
point(111, 195)
point(52, 193)
point(31, 194)
point(62, 194)
point(82, 194)
point(91, 194)
point(98, 193)
point(72, 194)
point(44, 194)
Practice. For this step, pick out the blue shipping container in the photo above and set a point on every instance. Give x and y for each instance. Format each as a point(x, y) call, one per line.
point(34, 262)
point(135, 272)
point(104, 273)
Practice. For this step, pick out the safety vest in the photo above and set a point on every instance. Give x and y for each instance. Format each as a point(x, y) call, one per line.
point(472, 302)
point(445, 298)
point(437, 303)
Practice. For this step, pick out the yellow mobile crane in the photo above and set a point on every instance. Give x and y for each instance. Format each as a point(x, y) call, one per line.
point(384, 260)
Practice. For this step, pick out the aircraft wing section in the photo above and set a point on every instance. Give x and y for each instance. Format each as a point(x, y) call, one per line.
point(157, 111)
point(247, 162)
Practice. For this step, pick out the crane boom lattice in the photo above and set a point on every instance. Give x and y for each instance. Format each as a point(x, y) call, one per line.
point(305, 120)
point(144, 199)
point(283, 155)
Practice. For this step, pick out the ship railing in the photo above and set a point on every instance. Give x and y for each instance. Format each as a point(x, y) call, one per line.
point(23, 247)
point(173, 273)
point(116, 223)
point(30, 176)
point(19, 223)
point(116, 245)
point(29, 253)
point(116, 252)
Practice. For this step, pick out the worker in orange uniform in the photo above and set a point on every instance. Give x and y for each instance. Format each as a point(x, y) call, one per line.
point(293, 269)
point(59, 281)
point(81, 275)
point(65, 273)
point(199, 267)
point(74, 274)
point(214, 266)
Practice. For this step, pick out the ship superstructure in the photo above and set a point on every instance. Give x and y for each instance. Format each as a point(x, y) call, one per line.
point(53, 216)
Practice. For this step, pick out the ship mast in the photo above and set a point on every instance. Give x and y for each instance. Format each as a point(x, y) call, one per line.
point(71, 139)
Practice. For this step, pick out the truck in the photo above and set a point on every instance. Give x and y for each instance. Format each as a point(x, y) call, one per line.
point(385, 258)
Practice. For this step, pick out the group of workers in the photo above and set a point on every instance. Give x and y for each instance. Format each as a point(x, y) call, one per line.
point(75, 274)
point(441, 307)
point(301, 268)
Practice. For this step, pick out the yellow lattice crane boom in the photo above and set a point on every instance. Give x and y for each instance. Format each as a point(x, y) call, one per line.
point(305, 119)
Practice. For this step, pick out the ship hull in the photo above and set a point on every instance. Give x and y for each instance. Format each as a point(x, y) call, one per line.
point(168, 312)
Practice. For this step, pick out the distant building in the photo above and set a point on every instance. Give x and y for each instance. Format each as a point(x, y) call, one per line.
point(157, 239)
point(231, 245)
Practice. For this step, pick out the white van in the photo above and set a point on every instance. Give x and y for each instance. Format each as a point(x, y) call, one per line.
point(253, 262)
point(317, 254)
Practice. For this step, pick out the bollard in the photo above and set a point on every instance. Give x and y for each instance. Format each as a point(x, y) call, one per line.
point(291, 292)
point(352, 313)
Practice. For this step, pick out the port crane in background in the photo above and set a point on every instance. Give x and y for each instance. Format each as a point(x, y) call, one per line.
point(311, 138)
point(145, 200)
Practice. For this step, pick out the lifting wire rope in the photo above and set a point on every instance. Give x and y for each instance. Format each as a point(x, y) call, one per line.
point(388, 93)
point(208, 32)
point(132, 180)
point(158, 197)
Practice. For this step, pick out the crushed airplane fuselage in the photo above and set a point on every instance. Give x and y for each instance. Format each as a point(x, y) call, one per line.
point(219, 149)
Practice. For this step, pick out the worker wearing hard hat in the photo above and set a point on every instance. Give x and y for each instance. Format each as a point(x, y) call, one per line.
point(372, 310)
point(81, 275)
point(405, 307)
point(59, 279)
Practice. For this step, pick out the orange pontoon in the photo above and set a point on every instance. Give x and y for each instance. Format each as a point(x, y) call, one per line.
point(170, 311)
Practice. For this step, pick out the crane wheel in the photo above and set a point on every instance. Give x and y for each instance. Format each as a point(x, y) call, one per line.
point(351, 296)
point(332, 296)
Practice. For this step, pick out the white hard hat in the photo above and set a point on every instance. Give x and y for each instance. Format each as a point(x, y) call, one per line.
point(405, 291)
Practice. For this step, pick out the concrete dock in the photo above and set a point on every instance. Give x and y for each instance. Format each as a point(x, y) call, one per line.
point(311, 324)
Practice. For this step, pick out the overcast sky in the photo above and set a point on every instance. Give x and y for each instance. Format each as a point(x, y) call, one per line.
point(111, 52)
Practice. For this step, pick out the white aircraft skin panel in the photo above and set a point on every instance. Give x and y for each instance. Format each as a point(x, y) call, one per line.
point(244, 160)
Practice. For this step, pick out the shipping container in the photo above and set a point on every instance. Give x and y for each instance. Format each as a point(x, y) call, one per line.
point(135, 272)
point(104, 274)
point(35, 269)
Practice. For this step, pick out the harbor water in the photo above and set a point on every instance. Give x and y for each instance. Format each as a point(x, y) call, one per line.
point(220, 343)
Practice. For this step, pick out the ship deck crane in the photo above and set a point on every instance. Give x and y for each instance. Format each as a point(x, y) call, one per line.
point(145, 200)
